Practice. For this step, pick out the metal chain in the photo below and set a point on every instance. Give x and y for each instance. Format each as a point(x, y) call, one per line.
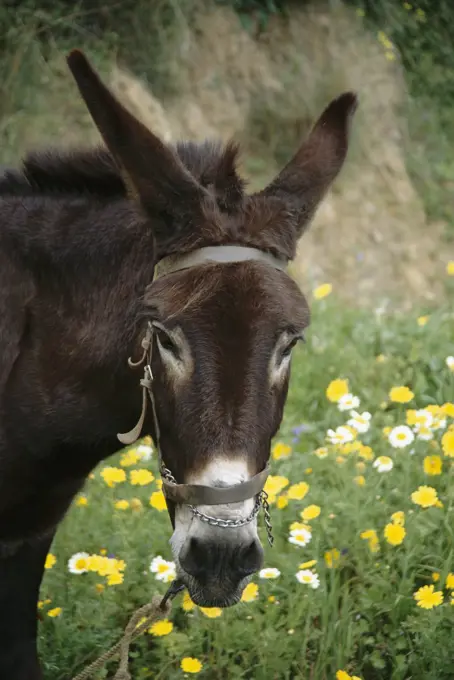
point(267, 516)
point(226, 523)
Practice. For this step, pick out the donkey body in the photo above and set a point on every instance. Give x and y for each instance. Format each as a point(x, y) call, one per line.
point(80, 235)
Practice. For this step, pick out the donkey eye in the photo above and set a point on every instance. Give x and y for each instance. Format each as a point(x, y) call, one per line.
point(288, 349)
point(167, 344)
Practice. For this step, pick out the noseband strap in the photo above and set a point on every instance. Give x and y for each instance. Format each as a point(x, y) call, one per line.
point(197, 494)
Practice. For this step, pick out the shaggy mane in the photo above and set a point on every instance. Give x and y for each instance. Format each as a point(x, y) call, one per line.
point(93, 172)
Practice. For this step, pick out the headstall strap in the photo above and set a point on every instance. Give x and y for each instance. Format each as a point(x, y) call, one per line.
point(193, 494)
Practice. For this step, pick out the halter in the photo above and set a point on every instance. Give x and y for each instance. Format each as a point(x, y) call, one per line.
point(197, 494)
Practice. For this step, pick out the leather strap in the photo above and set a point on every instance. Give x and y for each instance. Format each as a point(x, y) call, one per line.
point(220, 254)
point(197, 494)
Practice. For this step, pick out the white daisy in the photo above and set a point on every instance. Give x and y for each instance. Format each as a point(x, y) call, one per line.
point(145, 452)
point(165, 571)
point(269, 572)
point(383, 464)
point(360, 421)
point(450, 363)
point(400, 436)
point(348, 402)
point(300, 537)
point(423, 432)
point(341, 435)
point(321, 452)
point(308, 577)
point(439, 423)
point(78, 563)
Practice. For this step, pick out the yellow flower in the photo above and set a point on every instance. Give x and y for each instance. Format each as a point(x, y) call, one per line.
point(380, 358)
point(427, 598)
point(136, 503)
point(365, 452)
point(211, 612)
point(401, 394)
point(121, 504)
point(81, 501)
point(141, 477)
point(158, 501)
point(322, 291)
point(50, 561)
point(297, 526)
point(113, 475)
point(281, 450)
point(321, 452)
point(93, 563)
point(450, 268)
point(161, 628)
point(425, 496)
point(360, 480)
point(336, 389)
point(343, 675)
point(450, 581)
point(274, 485)
point(422, 320)
point(250, 593)
point(282, 502)
point(54, 612)
point(332, 558)
point(435, 576)
point(394, 534)
point(311, 512)
point(307, 565)
point(371, 536)
point(308, 471)
point(187, 604)
point(447, 443)
point(432, 465)
point(398, 517)
point(129, 458)
point(100, 587)
point(190, 665)
point(448, 409)
point(41, 603)
point(298, 491)
point(115, 579)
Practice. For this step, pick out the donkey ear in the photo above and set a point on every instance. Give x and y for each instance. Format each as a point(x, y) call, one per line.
point(307, 177)
point(151, 170)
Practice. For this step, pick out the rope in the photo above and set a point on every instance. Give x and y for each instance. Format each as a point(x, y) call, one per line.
point(155, 610)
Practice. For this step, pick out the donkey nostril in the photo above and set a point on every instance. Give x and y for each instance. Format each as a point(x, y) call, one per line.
point(249, 559)
point(193, 558)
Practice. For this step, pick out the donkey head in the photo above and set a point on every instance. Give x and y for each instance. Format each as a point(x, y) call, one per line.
point(224, 333)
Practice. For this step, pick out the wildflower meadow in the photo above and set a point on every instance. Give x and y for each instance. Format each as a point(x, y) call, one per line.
point(360, 581)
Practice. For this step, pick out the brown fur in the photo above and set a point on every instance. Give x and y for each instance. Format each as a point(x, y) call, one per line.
point(77, 256)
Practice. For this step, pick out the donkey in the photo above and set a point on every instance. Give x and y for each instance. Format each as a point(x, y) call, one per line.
point(81, 234)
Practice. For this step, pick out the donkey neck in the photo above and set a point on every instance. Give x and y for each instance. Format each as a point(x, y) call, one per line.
point(88, 264)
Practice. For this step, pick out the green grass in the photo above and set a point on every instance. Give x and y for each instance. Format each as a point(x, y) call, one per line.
point(363, 617)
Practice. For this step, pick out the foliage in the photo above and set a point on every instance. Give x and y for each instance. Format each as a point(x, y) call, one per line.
point(363, 618)
point(421, 32)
